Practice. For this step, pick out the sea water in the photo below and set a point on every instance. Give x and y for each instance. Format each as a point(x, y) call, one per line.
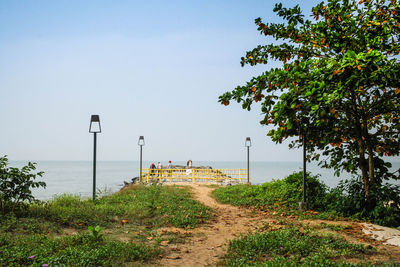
point(76, 177)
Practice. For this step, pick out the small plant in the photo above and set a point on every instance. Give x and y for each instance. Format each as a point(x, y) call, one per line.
point(106, 191)
point(95, 231)
point(16, 184)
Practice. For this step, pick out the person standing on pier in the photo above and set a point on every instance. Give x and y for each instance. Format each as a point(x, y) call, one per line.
point(152, 167)
point(169, 169)
point(159, 169)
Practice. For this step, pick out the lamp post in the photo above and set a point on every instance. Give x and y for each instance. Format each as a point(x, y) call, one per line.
point(248, 145)
point(141, 144)
point(303, 132)
point(94, 128)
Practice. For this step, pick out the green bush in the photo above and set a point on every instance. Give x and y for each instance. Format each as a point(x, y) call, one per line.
point(315, 193)
point(16, 184)
point(349, 199)
point(286, 192)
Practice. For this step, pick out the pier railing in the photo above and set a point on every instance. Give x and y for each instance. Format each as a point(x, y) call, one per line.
point(195, 175)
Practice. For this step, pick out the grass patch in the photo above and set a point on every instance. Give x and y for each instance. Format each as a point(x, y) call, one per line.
point(152, 206)
point(115, 230)
point(78, 250)
point(12, 224)
point(347, 200)
point(281, 197)
point(286, 240)
point(291, 247)
point(280, 193)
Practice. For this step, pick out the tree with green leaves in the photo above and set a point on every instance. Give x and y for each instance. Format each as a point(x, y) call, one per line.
point(339, 82)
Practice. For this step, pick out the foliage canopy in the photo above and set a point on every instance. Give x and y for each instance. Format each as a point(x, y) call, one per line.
point(339, 84)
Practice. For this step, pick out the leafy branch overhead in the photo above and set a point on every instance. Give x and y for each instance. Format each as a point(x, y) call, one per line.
point(340, 72)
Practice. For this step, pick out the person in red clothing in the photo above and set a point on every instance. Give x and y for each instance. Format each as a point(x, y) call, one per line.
point(152, 169)
point(169, 169)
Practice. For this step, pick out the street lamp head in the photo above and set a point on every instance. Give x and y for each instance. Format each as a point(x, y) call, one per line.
point(248, 142)
point(141, 140)
point(95, 124)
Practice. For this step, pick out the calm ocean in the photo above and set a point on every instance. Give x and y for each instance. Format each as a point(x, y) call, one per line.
point(75, 177)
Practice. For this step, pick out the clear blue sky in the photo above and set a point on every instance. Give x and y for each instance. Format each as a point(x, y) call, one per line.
point(152, 68)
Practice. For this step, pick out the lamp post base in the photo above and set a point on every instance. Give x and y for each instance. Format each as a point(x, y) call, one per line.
point(303, 206)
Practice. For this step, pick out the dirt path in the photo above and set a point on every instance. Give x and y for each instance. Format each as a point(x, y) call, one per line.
point(205, 245)
point(209, 242)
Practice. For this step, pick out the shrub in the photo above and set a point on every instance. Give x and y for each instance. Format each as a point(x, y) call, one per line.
point(286, 192)
point(349, 199)
point(315, 191)
point(16, 184)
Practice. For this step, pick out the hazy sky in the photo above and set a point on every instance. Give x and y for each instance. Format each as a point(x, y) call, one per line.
point(152, 68)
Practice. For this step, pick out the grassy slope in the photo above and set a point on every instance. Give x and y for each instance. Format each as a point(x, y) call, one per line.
point(132, 216)
point(287, 242)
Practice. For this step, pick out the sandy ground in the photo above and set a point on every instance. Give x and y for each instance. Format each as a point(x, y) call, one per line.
point(388, 236)
point(209, 242)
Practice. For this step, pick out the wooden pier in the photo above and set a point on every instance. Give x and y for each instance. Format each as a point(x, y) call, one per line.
point(195, 175)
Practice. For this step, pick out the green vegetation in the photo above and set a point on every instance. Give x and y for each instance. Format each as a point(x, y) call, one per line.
point(337, 88)
point(78, 250)
point(346, 200)
point(285, 193)
point(115, 230)
point(287, 241)
point(293, 247)
point(152, 206)
point(16, 184)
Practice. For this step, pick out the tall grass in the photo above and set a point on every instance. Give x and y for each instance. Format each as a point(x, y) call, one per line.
point(153, 206)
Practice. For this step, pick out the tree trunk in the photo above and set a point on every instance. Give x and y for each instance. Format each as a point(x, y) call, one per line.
point(364, 168)
point(367, 166)
point(361, 148)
